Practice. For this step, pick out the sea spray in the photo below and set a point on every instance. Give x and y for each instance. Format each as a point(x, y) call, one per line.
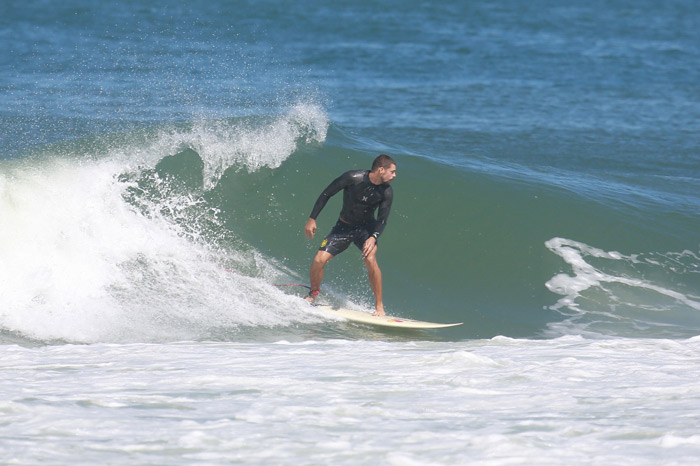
point(247, 143)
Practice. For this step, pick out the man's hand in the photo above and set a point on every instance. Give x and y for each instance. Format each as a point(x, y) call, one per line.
point(310, 228)
point(368, 246)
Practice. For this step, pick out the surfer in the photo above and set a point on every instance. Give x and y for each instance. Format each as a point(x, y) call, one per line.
point(364, 192)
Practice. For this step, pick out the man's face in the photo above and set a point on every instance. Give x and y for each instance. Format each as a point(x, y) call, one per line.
point(387, 174)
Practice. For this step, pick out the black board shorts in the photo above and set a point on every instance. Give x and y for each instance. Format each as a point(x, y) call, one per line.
point(342, 234)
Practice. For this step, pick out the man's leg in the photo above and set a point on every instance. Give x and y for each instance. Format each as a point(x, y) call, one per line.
point(375, 281)
point(316, 274)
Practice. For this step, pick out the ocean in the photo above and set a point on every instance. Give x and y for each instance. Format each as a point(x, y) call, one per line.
point(158, 162)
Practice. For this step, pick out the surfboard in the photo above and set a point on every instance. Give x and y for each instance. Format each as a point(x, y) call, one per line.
point(383, 321)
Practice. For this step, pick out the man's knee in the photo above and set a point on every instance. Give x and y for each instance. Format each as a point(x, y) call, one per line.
point(371, 262)
point(322, 258)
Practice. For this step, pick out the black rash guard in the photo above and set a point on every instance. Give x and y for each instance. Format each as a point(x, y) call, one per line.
point(361, 198)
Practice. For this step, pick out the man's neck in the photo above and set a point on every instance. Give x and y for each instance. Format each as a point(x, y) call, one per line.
point(375, 178)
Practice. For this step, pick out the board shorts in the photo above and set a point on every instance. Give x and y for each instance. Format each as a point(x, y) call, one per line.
point(342, 234)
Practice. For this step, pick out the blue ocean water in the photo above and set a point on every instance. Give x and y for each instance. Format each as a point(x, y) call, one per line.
point(157, 165)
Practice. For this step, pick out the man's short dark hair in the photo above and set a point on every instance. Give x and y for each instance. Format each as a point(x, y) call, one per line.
point(382, 161)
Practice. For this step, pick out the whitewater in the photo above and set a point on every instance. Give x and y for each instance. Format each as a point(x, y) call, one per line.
point(499, 401)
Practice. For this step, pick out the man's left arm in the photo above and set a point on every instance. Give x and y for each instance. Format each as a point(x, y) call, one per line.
point(380, 224)
point(383, 213)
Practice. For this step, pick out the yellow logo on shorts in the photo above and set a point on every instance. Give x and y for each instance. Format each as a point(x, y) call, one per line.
point(323, 244)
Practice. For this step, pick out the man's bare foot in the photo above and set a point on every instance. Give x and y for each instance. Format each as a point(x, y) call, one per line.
point(311, 297)
point(379, 313)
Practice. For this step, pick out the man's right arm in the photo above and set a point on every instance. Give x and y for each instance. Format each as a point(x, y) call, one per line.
point(334, 188)
point(310, 228)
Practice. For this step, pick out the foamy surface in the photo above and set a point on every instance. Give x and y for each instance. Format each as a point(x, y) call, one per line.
point(499, 401)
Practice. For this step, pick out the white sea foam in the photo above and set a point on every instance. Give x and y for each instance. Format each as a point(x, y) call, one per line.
point(500, 401)
point(608, 287)
point(80, 264)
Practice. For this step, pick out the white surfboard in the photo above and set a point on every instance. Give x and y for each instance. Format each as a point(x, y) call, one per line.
point(383, 321)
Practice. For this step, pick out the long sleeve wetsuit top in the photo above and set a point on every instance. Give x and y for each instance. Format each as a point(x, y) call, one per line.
point(361, 198)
